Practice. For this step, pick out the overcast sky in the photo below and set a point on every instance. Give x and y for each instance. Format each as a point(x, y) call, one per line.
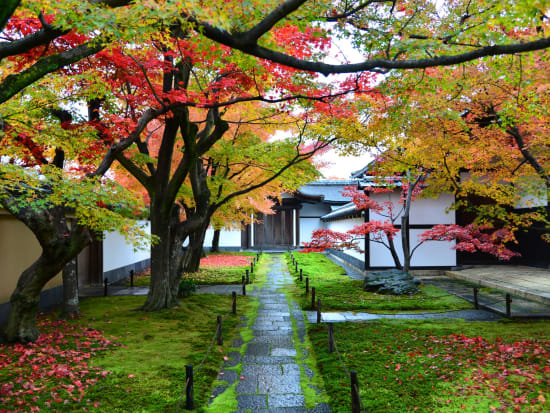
point(341, 166)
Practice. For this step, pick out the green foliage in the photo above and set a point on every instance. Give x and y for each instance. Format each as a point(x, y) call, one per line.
point(187, 287)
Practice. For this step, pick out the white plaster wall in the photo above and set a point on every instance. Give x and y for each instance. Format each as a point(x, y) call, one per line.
point(307, 226)
point(429, 254)
point(117, 252)
point(228, 238)
point(432, 211)
point(343, 225)
point(424, 211)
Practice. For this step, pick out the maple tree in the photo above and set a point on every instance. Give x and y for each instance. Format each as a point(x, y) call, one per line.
point(47, 173)
point(469, 238)
point(475, 132)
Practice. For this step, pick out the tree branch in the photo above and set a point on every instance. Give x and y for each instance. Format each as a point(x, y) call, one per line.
point(14, 83)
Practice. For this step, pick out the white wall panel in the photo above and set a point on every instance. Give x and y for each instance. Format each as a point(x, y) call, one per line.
point(228, 238)
point(345, 225)
point(429, 254)
point(307, 226)
point(432, 211)
point(117, 252)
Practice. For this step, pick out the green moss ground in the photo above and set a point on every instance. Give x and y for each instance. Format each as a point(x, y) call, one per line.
point(338, 292)
point(431, 367)
point(149, 366)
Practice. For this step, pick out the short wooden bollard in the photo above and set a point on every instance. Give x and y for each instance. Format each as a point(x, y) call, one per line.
point(508, 305)
point(220, 338)
point(106, 285)
point(247, 277)
point(319, 311)
point(251, 268)
point(307, 285)
point(296, 266)
point(301, 277)
point(244, 288)
point(476, 302)
point(189, 403)
point(234, 304)
point(312, 298)
point(355, 400)
point(330, 338)
point(132, 278)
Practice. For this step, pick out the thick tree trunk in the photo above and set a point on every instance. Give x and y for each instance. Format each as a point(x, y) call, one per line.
point(176, 259)
point(194, 252)
point(216, 241)
point(70, 290)
point(161, 294)
point(59, 246)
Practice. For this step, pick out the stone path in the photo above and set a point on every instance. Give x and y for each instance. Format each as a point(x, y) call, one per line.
point(269, 380)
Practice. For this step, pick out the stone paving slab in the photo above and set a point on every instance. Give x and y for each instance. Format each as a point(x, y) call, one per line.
point(468, 315)
point(269, 380)
point(529, 282)
point(492, 299)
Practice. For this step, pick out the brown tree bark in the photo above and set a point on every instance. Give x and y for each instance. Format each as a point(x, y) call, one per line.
point(60, 244)
point(71, 307)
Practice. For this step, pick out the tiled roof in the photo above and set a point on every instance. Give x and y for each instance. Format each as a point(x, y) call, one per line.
point(331, 191)
point(344, 211)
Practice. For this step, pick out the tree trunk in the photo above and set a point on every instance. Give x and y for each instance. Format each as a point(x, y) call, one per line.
point(405, 240)
point(70, 290)
point(216, 241)
point(194, 252)
point(25, 299)
point(394, 255)
point(59, 246)
point(161, 294)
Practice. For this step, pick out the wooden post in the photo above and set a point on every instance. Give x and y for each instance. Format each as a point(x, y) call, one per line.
point(251, 268)
point(301, 277)
point(189, 404)
point(220, 338)
point(296, 266)
point(318, 311)
point(132, 278)
point(106, 285)
point(234, 304)
point(476, 302)
point(244, 288)
point(508, 305)
point(247, 277)
point(307, 285)
point(355, 401)
point(312, 298)
point(330, 338)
